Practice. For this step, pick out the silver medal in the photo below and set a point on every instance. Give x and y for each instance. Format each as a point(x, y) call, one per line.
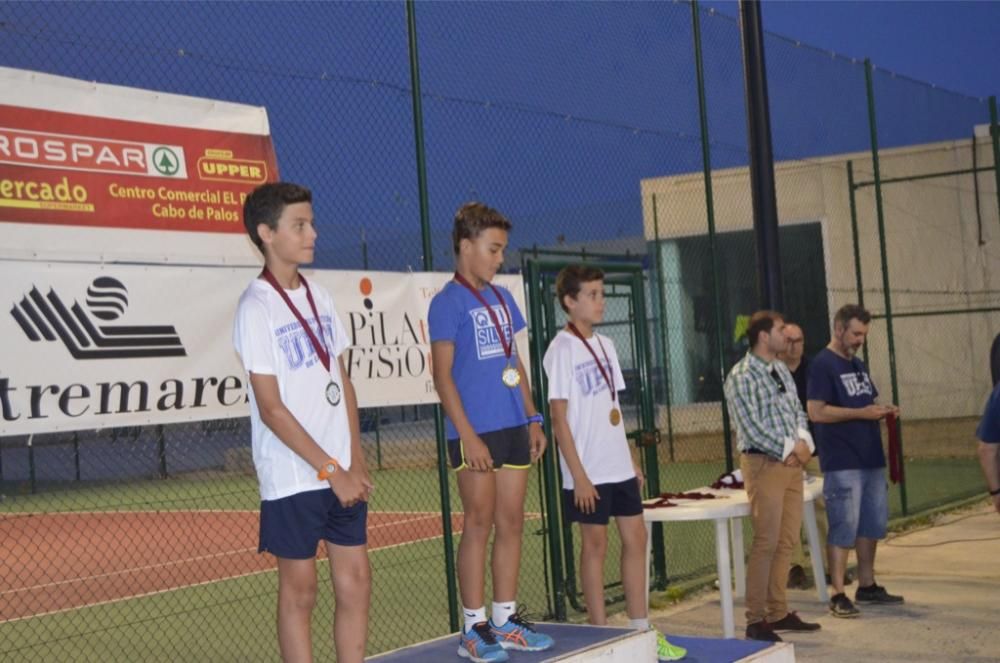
point(333, 393)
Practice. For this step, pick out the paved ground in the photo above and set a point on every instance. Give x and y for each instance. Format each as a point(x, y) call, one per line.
point(949, 573)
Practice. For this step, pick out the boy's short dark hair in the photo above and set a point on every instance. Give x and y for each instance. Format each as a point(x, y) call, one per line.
point(471, 219)
point(266, 204)
point(848, 312)
point(760, 322)
point(572, 277)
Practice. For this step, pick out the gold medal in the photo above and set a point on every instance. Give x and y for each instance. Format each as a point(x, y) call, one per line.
point(511, 377)
point(615, 416)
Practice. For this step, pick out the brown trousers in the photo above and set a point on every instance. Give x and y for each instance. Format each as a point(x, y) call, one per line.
point(775, 493)
point(799, 552)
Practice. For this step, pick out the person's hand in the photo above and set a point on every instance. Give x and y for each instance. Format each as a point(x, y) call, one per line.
point(792, 460)
point(585, 495)
point(640, 477)
point(537, 438)
point(348, 488)
point(361, 471)
point(477, 455)
point(874, 412)
point(801, 451)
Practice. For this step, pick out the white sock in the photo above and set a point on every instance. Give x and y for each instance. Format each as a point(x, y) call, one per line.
point(473, 617)
point(502, 612)
point(641, 624)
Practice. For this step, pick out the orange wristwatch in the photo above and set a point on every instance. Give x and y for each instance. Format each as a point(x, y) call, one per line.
point(328, 467)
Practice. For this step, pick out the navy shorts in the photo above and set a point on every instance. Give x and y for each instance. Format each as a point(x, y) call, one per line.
point(293, 526)
point(509, 447)
point(617, 499)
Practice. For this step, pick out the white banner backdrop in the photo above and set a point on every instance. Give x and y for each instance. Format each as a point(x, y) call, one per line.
point(89, 346)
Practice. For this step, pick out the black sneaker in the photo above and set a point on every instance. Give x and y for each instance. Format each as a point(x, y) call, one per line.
point(841, 606)
point(792, 622)
point(876, 594)
point(762, 631)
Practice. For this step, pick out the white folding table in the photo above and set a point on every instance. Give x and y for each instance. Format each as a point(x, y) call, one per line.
point(727, 512)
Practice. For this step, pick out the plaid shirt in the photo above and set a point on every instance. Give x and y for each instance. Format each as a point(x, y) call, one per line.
point(764, 404)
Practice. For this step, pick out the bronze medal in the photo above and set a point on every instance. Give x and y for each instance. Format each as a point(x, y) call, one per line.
point(615, 416)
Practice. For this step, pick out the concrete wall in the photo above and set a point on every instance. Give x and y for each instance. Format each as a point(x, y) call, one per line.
point(933, 250)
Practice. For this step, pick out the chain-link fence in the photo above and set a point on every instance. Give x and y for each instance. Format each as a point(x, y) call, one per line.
point(587, 125)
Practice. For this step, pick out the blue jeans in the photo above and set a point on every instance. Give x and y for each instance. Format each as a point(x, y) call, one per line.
point(857, 505)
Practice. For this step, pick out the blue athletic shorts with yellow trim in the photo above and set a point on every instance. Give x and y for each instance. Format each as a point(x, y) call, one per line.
point(509, 447)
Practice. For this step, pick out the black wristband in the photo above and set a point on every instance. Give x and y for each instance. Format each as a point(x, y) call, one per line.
point(994, 493)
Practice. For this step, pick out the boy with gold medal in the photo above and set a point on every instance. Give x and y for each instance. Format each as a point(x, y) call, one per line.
point(494, 432)
point(600, 479)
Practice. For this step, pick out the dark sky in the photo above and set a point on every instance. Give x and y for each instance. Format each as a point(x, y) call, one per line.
point(952, 44)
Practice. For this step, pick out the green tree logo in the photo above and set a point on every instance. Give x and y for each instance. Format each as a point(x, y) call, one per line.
point(165, 161)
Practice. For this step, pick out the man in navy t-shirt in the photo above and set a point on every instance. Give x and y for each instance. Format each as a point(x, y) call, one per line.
point(988, 434)
point(841, 403)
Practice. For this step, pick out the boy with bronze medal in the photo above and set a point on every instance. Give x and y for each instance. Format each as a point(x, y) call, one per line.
point(494, 432)
point(314, 483)
point(600, 479)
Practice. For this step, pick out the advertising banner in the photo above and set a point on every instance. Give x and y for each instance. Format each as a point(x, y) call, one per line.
point(90, 346)
point(106, 174)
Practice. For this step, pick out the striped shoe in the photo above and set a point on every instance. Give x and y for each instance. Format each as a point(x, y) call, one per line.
point(520, 634)
point(480, 646)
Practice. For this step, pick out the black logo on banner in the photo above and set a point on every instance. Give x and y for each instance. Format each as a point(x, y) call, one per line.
point(46, 317)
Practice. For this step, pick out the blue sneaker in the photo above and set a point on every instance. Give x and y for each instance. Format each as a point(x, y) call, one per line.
point(520, 634)
point(480, 646)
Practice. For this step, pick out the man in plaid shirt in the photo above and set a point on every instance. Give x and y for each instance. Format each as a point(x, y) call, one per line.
point(774, 441)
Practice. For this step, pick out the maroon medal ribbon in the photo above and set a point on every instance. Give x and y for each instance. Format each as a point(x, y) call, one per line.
point(604, 374)
point(895, 454)
point(319, 344)
point(507, 347)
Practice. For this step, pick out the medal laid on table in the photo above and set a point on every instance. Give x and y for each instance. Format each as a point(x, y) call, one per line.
point(333, 392)
point(615, 416)
point(511, 376)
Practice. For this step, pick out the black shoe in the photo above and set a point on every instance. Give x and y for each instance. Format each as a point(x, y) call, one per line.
point(876, 594)
point(792, 622)
point(841, 606)
point(797, 578)
point(762, 631)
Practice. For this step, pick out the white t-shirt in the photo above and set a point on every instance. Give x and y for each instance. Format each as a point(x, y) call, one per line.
point(575, 377)
point(270, 341)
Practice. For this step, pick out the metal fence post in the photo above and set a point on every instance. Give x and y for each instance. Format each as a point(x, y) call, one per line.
point(31, 465)
point(995, 138)
point(854, 234)
point(551, 511)
point(76, 456)
point(664, 329)
point(873, 130)
point(857, 243)
point(706, 157)
point(425, 234)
